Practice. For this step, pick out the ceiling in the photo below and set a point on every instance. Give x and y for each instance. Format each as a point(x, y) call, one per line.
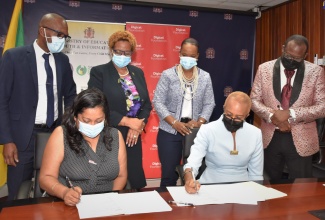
point(240, 5)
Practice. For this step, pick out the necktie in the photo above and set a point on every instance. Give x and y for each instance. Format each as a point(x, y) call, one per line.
point(286, 90)
point(49, 91)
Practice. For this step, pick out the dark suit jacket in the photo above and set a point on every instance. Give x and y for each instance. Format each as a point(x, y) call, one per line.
point(19, 93)
point(105, 77)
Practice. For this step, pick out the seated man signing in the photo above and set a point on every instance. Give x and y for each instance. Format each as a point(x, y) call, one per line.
point(232, 148)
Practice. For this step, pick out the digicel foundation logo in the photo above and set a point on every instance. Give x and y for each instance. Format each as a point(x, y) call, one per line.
point(156, 56)
point(180, 31)
point(155, 165)
point(177, 48)
point(155, 75)
point(158, 39)
point(137, 64)
point(154, 147)
point(136, 28)
point(154, 129)
point(139, 47)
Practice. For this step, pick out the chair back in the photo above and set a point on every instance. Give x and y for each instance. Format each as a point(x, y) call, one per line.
point(320, 125)
point(41, 141)
point(188, 142)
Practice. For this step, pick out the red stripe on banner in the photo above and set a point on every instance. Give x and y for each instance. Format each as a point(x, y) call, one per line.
point(157, 49)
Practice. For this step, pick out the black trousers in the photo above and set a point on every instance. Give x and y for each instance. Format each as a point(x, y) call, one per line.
point(170, 148)
point(280, 152)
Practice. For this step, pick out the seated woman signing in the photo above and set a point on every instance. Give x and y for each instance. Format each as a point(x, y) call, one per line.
point(84, 154)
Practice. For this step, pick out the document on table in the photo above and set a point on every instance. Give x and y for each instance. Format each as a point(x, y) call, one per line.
point(110, 204)
point(241, 193)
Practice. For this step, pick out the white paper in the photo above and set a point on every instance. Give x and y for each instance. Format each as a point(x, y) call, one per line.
point(110, 204)
point(241, 193)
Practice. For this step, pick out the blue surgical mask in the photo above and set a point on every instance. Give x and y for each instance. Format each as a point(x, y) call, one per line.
point(121, 60)
point(188, 62)
point(91, 130)
point(57, 44)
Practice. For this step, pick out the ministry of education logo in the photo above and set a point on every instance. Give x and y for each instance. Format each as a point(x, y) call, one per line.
point(210, 53)
point(74, 3)
point(117, 7)
point(81, 70)
point(227, 90)
point(89, 32)
point(227, 17)
point(2, 41)
point(194, 14)
point(243, 54)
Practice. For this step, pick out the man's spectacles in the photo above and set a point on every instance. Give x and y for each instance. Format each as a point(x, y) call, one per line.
point(121, 52)
point(60, 35)
point(236, 119)
point(289, 57)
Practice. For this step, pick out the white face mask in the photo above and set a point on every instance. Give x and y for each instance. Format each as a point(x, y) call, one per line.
point(57, 44)
point(188, 62)
point(91, 131)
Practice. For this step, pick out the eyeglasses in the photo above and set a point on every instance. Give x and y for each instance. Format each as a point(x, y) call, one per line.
point(236, 119)
point(289, 57)
point(60, 34)
point(121, 52)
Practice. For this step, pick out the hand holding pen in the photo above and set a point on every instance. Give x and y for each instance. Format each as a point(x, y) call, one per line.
point(71, 196)
point(192, 186)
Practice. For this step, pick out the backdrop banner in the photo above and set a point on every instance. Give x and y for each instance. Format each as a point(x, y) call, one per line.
point(157, 49)
point(88, 47)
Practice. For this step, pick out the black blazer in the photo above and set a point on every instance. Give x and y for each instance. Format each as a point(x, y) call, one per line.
point(19, 93)
point(105, 77)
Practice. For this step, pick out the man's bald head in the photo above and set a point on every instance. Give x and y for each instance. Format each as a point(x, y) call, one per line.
point(49, 18)
point(239, 100)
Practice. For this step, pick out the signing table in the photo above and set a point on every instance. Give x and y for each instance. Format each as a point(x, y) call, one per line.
point(303, 195)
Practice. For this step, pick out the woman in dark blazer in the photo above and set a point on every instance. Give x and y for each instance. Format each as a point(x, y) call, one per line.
point(126, 90)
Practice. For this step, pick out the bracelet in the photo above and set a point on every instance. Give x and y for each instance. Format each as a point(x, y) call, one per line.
point(201, 121)
point(53, 186)
point(173, 122)
point(189, 171)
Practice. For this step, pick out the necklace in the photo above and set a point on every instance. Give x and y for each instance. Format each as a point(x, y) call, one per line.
point(125, 74)
point(188, 86)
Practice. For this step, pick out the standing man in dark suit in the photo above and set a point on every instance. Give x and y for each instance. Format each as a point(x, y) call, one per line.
point(289, 94)
point(34, 80)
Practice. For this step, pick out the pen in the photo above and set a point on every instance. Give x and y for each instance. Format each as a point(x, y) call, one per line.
point(181, 203)
point(69, 182)
point(194, 180)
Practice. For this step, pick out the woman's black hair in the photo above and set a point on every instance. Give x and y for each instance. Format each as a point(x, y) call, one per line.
point(89, 98)
point(191, 41)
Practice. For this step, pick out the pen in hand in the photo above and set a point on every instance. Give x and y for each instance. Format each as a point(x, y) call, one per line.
point(69, 182)
point(195, 187)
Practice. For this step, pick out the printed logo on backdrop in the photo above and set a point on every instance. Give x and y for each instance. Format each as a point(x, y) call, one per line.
point(177, 48)
point(157, 56)
point(139, 47)
point(210, 53)
point(227, 17)
point(89, 32)
point(136, 28)
point(154, 147)
point(155, 75)
point(157, 10)
point(137, 64)
point(81, 70)
point(117, 7)
point(154, 129)
point(2, 41)
point(227, 90)
point(243, 54)
point(194, 14)
point(180, 31)
point(155, 165)
point(29, 1)
point(158, 39)
point(74, 3)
